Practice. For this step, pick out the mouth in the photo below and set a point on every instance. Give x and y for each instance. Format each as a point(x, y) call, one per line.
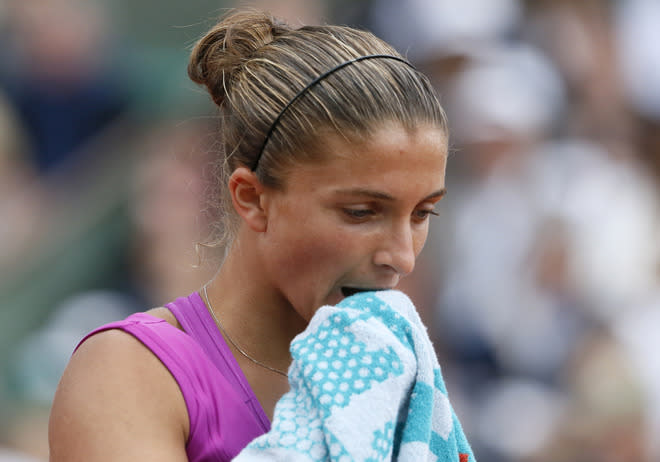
point(348, 291)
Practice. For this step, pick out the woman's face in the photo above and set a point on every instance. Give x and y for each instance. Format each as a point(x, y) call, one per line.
point(354, 221)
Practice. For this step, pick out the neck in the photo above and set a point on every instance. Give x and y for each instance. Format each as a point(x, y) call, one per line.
point(252, 312)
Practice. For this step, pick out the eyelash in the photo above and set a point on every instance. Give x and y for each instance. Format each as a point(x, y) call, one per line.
point(359, 214)
point(363, 214)
point(426, 214)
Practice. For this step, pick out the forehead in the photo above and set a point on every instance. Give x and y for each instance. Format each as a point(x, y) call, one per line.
point(389, 154)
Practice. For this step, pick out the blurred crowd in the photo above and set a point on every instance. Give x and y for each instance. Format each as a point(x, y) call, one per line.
point(540, 282)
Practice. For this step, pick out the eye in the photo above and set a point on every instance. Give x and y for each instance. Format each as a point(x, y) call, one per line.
point(358, 214)
point(423, 214)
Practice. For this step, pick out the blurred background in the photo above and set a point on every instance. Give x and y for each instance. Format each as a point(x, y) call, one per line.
point(540, 282)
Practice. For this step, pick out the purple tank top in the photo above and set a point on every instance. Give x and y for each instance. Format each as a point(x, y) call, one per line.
point(224, 412)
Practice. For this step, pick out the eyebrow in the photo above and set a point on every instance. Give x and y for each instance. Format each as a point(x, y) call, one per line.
point(384, 196)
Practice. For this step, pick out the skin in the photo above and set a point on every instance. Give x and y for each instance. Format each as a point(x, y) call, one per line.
point(357, 219)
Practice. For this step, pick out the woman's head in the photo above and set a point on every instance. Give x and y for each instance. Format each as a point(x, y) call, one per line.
point(254, 66)
point(355, 220)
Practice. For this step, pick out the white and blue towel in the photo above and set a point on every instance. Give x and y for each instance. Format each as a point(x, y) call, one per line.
point(365, 386)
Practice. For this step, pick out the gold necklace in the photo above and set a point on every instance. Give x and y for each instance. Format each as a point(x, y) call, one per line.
point(224, 333)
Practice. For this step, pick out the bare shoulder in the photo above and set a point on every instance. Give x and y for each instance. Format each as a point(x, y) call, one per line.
point(117, 401)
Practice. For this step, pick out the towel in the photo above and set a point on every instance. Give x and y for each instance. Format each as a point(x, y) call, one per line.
point(365, 385)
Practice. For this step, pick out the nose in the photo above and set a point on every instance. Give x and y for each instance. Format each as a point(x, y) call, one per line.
point(397, 250)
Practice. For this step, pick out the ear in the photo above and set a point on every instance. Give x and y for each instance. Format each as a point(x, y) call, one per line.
point(246, 195)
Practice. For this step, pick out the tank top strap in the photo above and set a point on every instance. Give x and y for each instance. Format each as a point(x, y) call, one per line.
point(196, 321)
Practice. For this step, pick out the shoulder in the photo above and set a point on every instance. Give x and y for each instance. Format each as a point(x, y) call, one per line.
point(116, 401)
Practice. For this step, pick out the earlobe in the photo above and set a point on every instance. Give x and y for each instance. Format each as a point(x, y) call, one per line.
point(246, 191)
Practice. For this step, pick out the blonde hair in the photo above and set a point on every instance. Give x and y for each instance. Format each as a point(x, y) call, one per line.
point(253, 65)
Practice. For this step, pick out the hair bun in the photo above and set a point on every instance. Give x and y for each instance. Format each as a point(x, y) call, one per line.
point(227, 46)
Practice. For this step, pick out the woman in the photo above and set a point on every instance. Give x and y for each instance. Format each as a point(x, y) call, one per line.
point(334, 154)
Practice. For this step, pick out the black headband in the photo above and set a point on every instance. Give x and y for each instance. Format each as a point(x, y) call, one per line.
point(310, 85)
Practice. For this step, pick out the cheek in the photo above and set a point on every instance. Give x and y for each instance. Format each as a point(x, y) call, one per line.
point(321, 251)
point(309, 237)
point(419, 239)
